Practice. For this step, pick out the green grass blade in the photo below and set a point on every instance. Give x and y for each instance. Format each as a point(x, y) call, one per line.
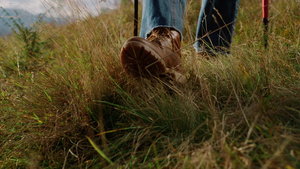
point(99, 151)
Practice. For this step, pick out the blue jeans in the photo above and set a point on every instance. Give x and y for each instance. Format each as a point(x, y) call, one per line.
point(215, 27)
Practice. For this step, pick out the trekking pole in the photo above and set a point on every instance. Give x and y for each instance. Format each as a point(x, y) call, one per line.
point(136, 10)
point(265, 6)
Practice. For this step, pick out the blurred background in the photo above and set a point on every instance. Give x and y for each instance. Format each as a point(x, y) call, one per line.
point(56, 11)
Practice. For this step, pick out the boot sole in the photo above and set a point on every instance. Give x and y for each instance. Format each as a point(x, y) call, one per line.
point(138, 59)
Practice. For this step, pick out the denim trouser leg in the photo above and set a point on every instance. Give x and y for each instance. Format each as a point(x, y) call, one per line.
point(217, 20)
point(162, 13)
point(213, 15)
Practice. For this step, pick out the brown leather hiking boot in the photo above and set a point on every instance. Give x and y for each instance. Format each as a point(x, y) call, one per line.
point(158, 55)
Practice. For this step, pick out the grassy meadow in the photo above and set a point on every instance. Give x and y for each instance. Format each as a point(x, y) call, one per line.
point(65, 101)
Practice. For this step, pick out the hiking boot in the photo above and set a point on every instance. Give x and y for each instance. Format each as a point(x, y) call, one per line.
point(212, 53)
point(159, 55)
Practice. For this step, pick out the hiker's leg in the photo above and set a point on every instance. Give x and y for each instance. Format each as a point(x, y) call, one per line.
point(162, 13)
point(216, 23)
point(156, 52)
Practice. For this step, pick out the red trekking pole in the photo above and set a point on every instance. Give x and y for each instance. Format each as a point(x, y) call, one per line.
point(265, 6)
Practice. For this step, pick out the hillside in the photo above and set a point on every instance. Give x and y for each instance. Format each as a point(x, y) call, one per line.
point(26, 17)
point(66, 102)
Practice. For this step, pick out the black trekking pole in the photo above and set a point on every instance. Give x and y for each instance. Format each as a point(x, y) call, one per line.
point(136, 10)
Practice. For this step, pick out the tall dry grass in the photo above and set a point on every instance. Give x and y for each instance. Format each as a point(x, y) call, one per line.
point(236, 111)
